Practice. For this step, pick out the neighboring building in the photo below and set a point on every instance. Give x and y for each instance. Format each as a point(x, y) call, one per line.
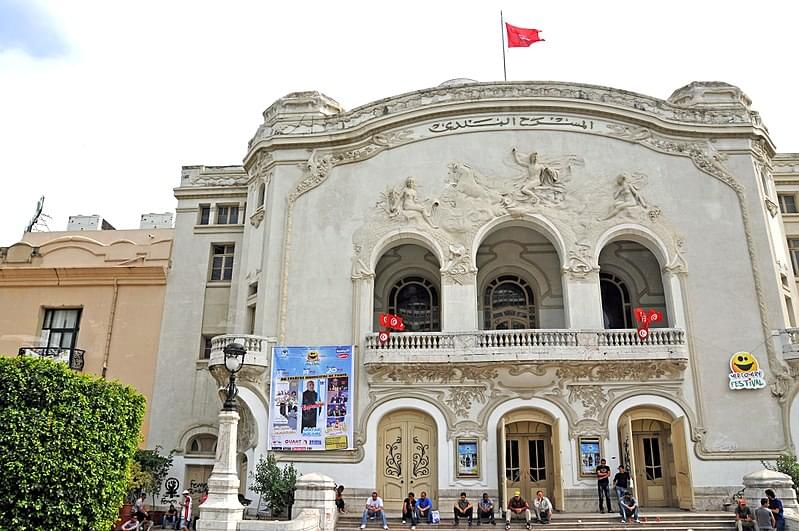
point(516, 227)
point(92, 298)
point(786, 179)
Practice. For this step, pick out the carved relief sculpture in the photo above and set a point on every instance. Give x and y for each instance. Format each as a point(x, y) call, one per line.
point(628, 195)
point(403, 202)
point(541, 182)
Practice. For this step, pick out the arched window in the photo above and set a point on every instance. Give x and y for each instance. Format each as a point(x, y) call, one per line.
point(415, 299)
point(616, 308)
point(508, 304)
point(261, 195)
point(204, 443)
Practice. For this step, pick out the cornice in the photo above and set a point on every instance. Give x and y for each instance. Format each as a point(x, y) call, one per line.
point(441, 102)
point(82, 276)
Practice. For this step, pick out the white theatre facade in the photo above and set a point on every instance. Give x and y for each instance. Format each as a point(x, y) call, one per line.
point(515, 227)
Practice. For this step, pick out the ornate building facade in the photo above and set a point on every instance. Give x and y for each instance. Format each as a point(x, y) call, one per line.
point(516, 227)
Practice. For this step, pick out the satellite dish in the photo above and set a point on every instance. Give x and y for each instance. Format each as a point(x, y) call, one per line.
point(36, 219)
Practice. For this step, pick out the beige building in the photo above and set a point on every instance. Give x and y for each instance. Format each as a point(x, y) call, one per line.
point(786, 180)
point(92, 298)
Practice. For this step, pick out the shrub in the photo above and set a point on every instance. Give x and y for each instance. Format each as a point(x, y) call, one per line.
point(276, 486)
point(786, 464)
point(65, 446)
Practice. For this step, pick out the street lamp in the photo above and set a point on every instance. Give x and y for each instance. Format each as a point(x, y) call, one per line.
point(234, 360)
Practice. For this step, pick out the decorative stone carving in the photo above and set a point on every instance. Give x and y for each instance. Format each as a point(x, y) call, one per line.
point(259, 169)
point(338, 120)
point(678, 264)
point(359, 268)
point(593, 398)
point(542, 182)
point(628, 198)
point(459, 266)
point(246, 436)
point(629, 370)
point(211, 176)
point(319, 164)
point(432, 373)
point(257, 217)
point(580, 261)
point(588, 427)
point(460, 398)
point(402, 203)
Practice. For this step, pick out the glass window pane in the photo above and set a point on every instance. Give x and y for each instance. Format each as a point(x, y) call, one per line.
point(233, 217)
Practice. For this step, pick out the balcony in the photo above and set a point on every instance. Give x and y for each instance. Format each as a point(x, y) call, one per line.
point(790, 345)
point(256, 360)
point(491, 346)
point(73, 357)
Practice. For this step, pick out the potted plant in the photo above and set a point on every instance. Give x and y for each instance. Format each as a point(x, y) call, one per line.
point(275, 486)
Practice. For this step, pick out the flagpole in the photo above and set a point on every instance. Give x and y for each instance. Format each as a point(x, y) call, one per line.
point(502, 37)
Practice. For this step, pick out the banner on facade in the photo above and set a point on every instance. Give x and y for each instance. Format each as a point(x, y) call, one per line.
point(311, 406)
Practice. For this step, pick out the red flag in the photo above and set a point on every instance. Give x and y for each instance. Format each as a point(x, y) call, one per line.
point(383, 337)
point(521, 37)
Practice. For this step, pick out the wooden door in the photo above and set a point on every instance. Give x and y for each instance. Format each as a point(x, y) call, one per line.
point(407, 446)
point(528, 459)
point(682, 464)
point(197, 482)
point(651, 441)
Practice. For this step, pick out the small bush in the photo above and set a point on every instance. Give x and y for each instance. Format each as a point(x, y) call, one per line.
point(65, 446)
point(275, 486)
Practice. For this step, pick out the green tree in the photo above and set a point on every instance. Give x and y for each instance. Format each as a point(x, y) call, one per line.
point(66, 444)
point(786, 464)
point(153, 468)
point(274, 485)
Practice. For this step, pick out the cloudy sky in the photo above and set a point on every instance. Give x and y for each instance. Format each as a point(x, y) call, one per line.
point(101, 102)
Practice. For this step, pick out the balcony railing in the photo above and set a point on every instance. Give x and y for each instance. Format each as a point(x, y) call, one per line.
point(73, 357)
point(256, 360)
point(506, 345)
point(790, 345)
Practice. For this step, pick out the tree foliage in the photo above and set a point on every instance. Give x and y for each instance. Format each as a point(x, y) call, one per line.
point(276, 486)
point(66, 443)
point(148, 471)
point(786, 464)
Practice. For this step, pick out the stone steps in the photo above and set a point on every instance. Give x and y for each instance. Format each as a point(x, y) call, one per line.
point(668, 521)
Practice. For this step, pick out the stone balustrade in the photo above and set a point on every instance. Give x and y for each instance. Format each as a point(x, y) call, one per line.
point(537, 344)
point(257, 360)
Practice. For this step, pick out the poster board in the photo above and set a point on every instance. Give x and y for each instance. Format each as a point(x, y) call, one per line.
point(311, 405)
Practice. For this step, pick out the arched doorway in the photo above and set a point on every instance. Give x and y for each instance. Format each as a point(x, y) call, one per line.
point(529, 457)
point(653, 446)
point(407, 456)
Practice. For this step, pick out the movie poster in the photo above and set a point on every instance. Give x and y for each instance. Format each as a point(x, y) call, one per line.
point(311, 407)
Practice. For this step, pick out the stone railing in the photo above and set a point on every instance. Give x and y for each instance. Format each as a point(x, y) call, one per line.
point(508, 345)
point(256, 361)
point(790, 344)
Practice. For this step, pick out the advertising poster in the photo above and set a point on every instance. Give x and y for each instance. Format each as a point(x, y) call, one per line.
point(311, 407)
point(467, 458)
point(589, 456)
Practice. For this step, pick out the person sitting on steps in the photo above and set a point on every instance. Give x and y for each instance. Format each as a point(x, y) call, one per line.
point(485, 509)
point(517, 508)
point(374, 508)
point(463, 508)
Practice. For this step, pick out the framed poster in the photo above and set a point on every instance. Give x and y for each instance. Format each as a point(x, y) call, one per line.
point(468, 459)
point(312, 407)
point(589, 456)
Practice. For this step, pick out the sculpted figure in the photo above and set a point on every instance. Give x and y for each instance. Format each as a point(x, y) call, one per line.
point(540, 177)
point(627, 194)
point(403, 201)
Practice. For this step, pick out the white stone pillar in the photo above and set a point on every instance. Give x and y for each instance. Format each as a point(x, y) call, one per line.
point(458, 302)
point(315, 492)
point(756, 483)
point(222, 510)
point(582, 300)
point(674, 299)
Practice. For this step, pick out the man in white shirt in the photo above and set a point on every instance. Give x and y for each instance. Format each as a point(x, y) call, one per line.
point(543, 508)
point(185, 512)
point(374, 508)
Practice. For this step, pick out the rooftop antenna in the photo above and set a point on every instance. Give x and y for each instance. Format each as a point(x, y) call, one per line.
point(39, 219)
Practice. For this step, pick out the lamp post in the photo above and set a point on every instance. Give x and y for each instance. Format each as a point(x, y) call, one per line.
point(222, 510)
point(234, 361)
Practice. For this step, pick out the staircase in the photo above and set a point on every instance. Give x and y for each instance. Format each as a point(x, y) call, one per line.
point(657, 520)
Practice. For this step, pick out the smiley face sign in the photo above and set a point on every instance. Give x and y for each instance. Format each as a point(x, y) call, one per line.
point(745, 372)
